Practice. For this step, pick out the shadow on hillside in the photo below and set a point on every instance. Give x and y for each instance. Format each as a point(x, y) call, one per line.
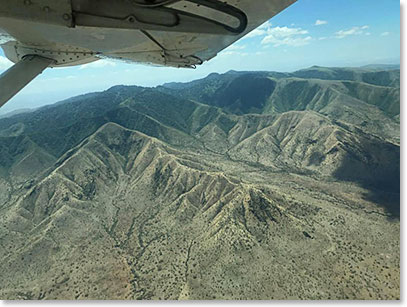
point(382, 183)
point(390, 201)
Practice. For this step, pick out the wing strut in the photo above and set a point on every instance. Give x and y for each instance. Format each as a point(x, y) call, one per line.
point(22, 73)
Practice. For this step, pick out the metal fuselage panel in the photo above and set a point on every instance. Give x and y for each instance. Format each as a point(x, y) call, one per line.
point(48, 32)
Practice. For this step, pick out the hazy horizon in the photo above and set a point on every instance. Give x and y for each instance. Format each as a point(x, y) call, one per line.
point(270, 172)
point(12, 108)
point(310, 32)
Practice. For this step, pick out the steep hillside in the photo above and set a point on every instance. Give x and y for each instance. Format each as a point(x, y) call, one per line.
point(128, 217)
point(371, 75)
point(366, 98)
point(261, 186)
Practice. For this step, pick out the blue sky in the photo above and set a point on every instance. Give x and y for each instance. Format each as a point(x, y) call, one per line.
point(310, 32)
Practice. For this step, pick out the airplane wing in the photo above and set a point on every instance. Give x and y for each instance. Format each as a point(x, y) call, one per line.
point(177, 33)
point(183, 49)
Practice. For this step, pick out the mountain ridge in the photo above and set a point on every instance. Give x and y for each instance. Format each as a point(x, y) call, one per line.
point(146, 193)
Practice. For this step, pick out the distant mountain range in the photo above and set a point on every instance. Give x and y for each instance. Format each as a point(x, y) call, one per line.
point(244, 185)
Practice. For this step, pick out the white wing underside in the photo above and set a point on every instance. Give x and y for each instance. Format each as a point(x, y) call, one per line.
point(73, 46)
point(180, 33)
point(202, 46)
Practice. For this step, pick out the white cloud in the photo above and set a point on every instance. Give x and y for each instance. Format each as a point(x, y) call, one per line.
point(232, 53)
point(385, 34)
point(320, 22)
point(266, 25)
point(260, 31)
point(255, 33)
point(352, 31)
point(279, 36)
point(5, 63)
point(236, 47)
point(99, 64)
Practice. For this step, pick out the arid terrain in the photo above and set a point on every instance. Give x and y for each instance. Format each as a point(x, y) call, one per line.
point(245, 185)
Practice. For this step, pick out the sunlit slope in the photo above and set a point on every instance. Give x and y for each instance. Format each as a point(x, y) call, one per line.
point(356, 96)
point(140, 193)
point(126, 216)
